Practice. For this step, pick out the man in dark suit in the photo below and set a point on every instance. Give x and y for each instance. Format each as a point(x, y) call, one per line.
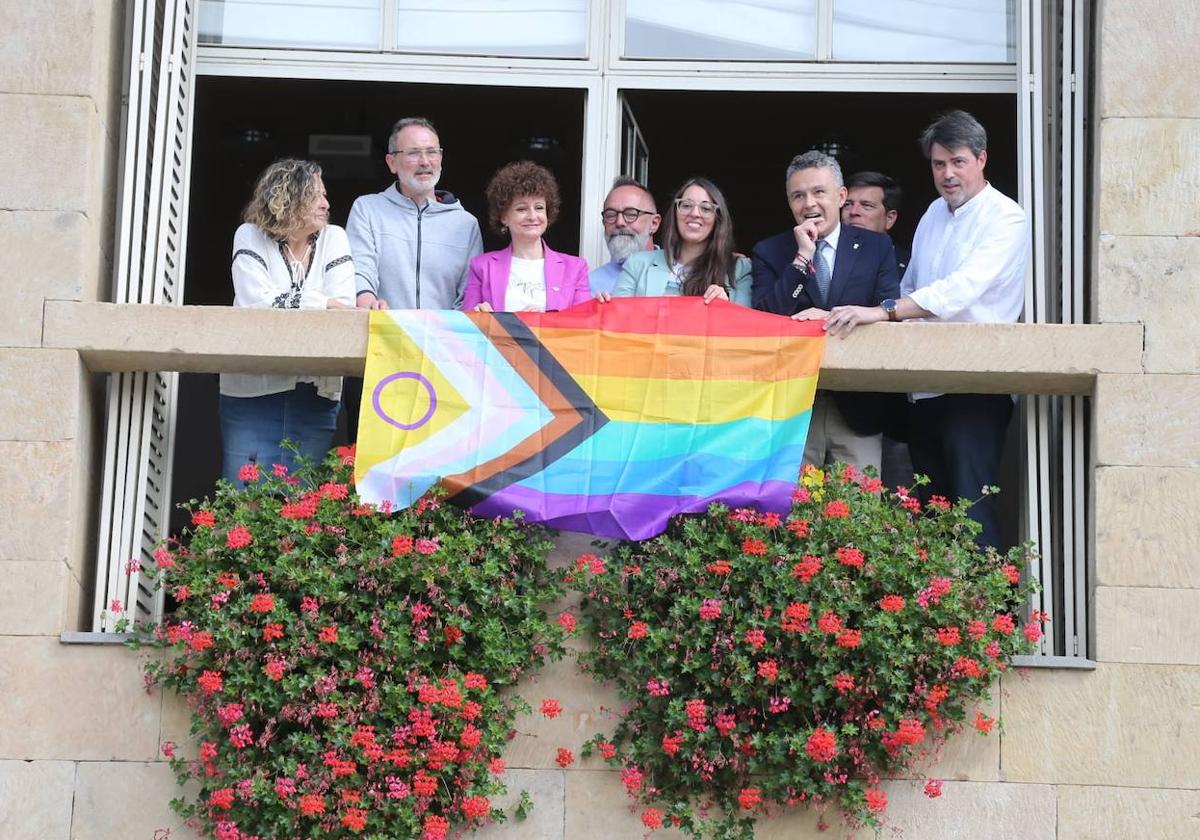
point(805, 272)
point(873, 202)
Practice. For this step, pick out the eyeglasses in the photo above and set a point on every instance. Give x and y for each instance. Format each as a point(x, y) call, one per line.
point(629, 214)
point(417, 154)
point(686, 205)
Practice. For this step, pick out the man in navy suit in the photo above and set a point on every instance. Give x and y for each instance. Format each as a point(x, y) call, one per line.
point(817, 265)
point(873, 202)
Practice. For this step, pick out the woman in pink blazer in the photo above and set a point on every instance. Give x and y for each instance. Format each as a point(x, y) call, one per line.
point(526, 276)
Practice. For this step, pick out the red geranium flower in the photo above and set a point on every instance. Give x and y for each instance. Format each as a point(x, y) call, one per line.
point(749, 798)
point(807, 568)
point(210, 682)
point(877, 800)
point(355, 819)
point(311, 804)
point(753, 546)
point(652, 818)
point(948, 636)
point(849, 638)
point(821, 745)
point(799, 527)
point(238, 537)
point(850, 557)
point(837, 509)
point(476, 807)
point(983, 723)
point(891, 603)
point(262, 603)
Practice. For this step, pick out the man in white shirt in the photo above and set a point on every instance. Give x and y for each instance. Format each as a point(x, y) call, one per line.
point(969, 259)
point(630, 219)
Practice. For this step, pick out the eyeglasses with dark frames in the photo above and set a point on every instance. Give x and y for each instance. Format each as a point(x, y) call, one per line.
point(629, 214)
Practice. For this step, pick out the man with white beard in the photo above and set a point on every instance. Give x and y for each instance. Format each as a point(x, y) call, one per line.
point(412, 244)
point(630, 219)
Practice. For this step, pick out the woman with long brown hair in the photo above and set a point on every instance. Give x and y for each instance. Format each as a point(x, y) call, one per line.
point(697, 257)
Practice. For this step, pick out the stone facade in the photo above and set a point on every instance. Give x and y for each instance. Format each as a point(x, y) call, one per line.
point(1085, 755)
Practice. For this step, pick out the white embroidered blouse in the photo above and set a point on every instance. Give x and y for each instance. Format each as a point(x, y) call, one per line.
point(264, 278)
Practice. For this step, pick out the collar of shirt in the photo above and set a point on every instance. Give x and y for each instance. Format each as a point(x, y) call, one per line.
point(832, 238)
point(831, 252)
point(972, 204)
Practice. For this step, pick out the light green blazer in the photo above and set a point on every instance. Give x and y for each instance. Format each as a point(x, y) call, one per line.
point(646, 274)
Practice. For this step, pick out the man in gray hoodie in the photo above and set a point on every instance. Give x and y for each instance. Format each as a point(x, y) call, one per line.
point(412, 245)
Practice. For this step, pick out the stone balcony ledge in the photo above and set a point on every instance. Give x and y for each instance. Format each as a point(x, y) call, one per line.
point(980, 358)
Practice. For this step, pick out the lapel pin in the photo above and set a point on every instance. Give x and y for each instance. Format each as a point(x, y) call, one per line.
point(855, 246)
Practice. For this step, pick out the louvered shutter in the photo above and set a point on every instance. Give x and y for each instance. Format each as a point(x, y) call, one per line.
point(1051, 107)
point(152, 222)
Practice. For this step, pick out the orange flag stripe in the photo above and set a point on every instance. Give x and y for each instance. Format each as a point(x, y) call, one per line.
point(772, 358)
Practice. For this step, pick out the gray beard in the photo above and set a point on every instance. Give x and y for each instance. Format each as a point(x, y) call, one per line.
point(621, 246)
point(414, 187)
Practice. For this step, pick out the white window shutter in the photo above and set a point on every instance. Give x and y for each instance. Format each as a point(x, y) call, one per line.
point(152, 225)
point(1051, 104)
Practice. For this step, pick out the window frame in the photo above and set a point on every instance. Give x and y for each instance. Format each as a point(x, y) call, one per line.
point(605, 74)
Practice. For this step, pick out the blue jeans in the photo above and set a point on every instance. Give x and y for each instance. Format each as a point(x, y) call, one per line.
point(252, 427)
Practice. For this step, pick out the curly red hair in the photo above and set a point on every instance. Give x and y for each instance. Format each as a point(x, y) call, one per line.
point(515, 180)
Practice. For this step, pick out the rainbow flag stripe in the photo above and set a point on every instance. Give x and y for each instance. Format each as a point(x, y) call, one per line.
point(605, 418)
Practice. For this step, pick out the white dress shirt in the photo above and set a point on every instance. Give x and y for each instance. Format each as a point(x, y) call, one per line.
point(969, 265)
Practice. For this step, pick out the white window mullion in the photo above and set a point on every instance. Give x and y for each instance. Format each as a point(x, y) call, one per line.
point(824, 48)
point(389, 22)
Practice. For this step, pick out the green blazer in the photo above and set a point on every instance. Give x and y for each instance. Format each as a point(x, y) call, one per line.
point(646, 274)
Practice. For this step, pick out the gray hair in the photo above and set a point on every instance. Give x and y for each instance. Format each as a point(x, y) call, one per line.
point(407, 122)
point(813, 159)
point(953, 130)
point(626, 181)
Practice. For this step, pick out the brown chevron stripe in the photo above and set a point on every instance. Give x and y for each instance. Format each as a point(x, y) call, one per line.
point(566, 416)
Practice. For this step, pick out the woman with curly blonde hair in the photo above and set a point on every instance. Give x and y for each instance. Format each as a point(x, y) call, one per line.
point(285, 256)
point(526, 276)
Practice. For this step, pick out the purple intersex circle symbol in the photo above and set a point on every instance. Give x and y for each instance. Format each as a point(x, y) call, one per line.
point(388, 380)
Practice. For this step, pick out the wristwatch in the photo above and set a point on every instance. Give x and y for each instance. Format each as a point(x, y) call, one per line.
point(889, 306)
